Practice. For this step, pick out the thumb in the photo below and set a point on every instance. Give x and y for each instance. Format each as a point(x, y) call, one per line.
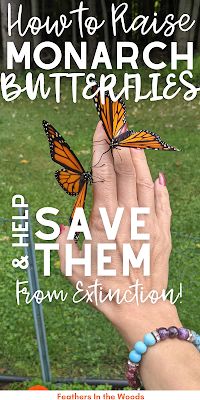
point(62, 240)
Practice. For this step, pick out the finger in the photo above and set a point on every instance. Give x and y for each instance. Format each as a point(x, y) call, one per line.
point(145, 185)
point(104, 177)
point(162, 202)
point(126, 176)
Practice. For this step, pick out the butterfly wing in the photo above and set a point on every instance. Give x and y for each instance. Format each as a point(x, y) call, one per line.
point(73, 185)
point(60, 151)
point(80, 201)
point(69, 181)
point(143, 140)
point(71, 178)
point(112, 114)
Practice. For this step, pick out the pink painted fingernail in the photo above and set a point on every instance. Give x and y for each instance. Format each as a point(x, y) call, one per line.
point(162, 179)
point(62, 228)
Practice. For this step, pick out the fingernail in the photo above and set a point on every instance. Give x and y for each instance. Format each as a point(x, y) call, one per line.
point(62, 228)
point(162, 179)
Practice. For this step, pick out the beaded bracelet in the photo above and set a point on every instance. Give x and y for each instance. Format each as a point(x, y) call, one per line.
point(150, 339)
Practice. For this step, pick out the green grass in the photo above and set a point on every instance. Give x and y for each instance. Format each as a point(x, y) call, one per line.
point(56, 386)
point(81, 342)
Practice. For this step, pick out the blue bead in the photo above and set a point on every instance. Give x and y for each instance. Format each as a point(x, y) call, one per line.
point(149, 339)
point(194, 334)
point(134, 356)
point(140, 347)
point(198, 348)
point(197, 340)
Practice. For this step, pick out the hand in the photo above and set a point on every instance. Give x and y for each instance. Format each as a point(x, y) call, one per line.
point(124, 180)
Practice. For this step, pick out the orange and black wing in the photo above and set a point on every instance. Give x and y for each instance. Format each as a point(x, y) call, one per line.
point(60, 151)
point(80, 201)
point(73, 185)
point(143, 140)
point(112, 114)
point(69, 181)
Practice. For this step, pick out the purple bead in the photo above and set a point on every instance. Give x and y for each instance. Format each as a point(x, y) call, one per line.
point(132, 375)
point(173, 332)
point(163, 332)
point(132, 367)
point(183, 333)
point(134, 383)
point(129, 375)
point(132, 370)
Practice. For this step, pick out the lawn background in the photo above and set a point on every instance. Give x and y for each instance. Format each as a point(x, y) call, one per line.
point(81, 342)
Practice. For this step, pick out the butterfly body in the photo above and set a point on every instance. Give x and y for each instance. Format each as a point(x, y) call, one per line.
point(87, 176)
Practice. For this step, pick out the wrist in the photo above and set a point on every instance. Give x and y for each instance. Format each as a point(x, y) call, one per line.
point(133, 321)
point(159, 363)
point(155, 359)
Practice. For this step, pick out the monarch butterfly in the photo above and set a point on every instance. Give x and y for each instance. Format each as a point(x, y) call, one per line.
point(72, 178)
point(113, 116)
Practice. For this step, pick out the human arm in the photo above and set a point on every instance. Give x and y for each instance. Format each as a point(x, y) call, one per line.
point(125, 181)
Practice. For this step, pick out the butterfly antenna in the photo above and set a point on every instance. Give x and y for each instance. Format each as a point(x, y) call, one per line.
point(103, 180)
point(98, 177)
point(102, 140)
point(102, 165)
point(101, 158)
